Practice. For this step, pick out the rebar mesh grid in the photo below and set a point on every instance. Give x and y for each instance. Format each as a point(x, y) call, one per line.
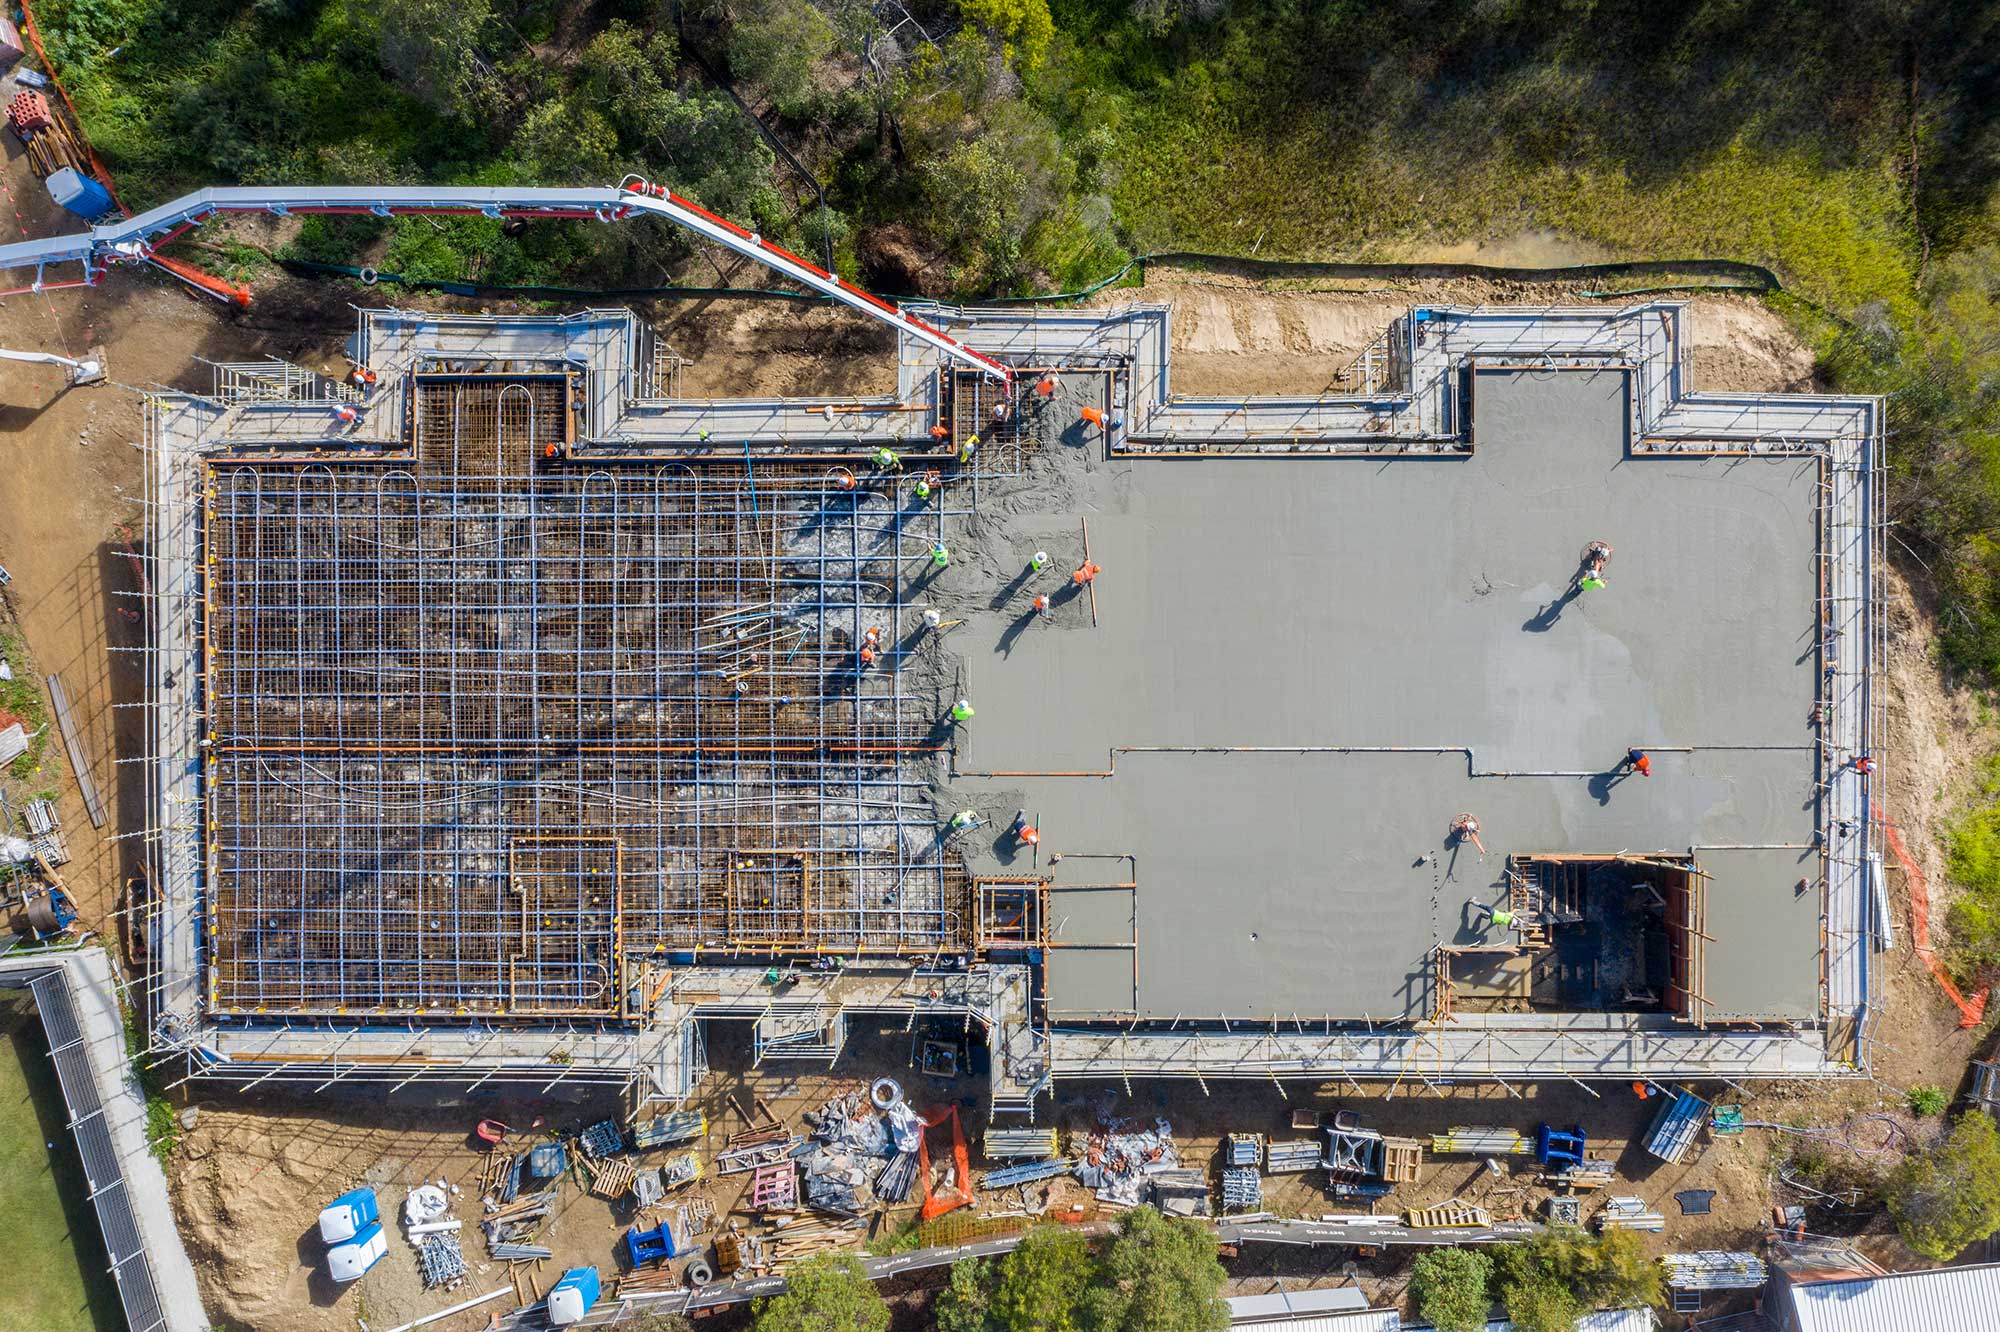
point(482, 724)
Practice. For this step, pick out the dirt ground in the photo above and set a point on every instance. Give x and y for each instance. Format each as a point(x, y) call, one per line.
point(251, 1175)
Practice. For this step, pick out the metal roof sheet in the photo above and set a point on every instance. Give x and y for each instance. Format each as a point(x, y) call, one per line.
point(1937, 1299)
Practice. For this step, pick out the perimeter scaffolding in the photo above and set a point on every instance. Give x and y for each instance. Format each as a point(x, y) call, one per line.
point(512, 718)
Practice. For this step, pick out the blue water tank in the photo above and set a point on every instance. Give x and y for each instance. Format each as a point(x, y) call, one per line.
point(79, 194)
point(570, 1298)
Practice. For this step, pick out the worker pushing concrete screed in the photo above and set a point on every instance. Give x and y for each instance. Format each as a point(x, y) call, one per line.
point(1590, 570)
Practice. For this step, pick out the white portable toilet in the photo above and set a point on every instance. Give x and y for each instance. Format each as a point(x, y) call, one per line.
point(571, 1297)
point(343, 1218)
point(348, 1261)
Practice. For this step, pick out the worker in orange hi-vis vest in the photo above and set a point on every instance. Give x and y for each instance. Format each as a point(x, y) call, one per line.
point(1046, 385)
point(1093, 416)
point(1639, 762)
point(1086, 575)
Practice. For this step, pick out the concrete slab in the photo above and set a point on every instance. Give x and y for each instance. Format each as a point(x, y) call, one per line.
point(1410, 603)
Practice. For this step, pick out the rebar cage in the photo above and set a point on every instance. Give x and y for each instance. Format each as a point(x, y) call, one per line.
point(483, 722)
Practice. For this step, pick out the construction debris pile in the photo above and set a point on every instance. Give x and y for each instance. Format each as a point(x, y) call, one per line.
point(1119, 1161)
point(855, 1146)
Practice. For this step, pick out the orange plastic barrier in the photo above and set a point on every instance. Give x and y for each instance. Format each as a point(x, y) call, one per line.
point(959, 1194)
point(1970, 1011)
point(217, 287)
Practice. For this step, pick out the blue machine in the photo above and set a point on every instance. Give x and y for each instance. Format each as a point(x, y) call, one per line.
point(570, 1298)
point(79, 194)
point(1559, 1147)
point(348, 1215)
point(645, 1246)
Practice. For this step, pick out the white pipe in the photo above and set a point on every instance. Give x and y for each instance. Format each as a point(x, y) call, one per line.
point(456, 1308)
point(39, 358)
point(432, 1227)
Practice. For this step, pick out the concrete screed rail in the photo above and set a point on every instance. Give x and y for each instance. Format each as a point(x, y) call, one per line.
point(1414, 404)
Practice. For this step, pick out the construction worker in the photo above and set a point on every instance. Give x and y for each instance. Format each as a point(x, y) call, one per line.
point(961, 710)
point(346, 413)
point(889, 460)
point(1093, 417)
point(1465, 828)
point(1042, 604)
point(1863, 764)
point(1024, 831)
point(1501, 919)
point(1045, 387)
point(703, 437)
point(933, 617)
point(941, 433)
point(940, 556)
point(1639, 762)
point(927, 483)
point(1038, 561)
point(1595, 556)
point(968, 449)
point(964, 819)
point(1001, 411)
point(1086, 575)
point(871, 643)
point(842, 479)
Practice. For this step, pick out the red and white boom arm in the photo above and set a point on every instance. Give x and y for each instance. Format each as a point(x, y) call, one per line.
point(134, 239)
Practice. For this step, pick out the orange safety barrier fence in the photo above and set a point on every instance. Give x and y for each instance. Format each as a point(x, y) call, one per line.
point(1970, 1010)
point(959, 1192)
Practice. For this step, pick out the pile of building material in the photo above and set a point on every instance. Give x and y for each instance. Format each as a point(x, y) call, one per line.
point(1629, 1214)
point(1242, 1189)
point(519, 1220)
point(856, 1146)
point(1243, 1149)
point(442, 1261)
point(1019, 1144)
point(1117, 1161)
point(1181, 1193)
point(1714, 1269)
point(1291, 1158)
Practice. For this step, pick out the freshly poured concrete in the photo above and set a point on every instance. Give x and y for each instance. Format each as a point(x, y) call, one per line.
point(1413, 603)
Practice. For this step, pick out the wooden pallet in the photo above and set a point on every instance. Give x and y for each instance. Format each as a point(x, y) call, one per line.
point(613, 1179)
point(1402, 1159)
point(1452, 1213)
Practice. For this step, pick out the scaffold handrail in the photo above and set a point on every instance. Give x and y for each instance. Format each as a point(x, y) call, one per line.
point(134, 239)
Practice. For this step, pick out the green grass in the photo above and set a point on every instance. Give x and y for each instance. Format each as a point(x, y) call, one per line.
point(163, 1125)
point(23, 697)
point(54, 1278)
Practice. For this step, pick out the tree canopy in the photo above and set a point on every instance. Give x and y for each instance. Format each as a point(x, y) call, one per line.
point(828, 1292)
point(1450, 1289)
point(1948, 1196)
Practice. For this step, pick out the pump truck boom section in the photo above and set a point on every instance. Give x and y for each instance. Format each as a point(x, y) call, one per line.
point(134, 239)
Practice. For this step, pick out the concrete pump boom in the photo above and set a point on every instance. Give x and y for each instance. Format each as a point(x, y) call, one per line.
point(133, 239)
